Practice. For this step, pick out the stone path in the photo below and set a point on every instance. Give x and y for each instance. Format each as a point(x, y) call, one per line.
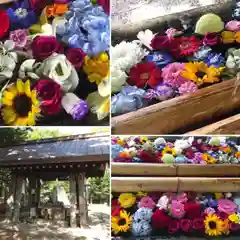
point(99, 228)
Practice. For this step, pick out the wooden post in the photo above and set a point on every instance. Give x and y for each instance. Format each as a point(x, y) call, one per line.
point(72, 179)
point(17, 198)
point(10, 198)
point(82, 200)
point(32, 196)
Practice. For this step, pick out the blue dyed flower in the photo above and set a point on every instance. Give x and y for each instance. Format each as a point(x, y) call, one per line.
point(202, 53)
point(161, 59)
point(87, 27)
point(212, 203)
point(137, 160)
point(129, 99)
point(215, 59)
point(21, 16)
point(181, 159)
point(116, 149)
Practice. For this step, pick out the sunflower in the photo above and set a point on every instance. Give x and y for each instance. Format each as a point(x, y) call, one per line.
point(20, 104)
point(121, 223)
point(208, 158)
point(169, 150)
point(214, 226)
point(126, 200)
point(200, 73)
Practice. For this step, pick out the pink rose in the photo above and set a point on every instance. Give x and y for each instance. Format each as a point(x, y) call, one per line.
point(227, 206)
point(146, 202)
point(177, 209)
point(233, 26)
point(50, 94)
point(44, 46)
point(19, 37)
point(76, 57)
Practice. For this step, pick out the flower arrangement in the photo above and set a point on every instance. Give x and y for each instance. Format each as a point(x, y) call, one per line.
point(171, 214)
point(160, 66)
point(192, 150)
point(54, 62)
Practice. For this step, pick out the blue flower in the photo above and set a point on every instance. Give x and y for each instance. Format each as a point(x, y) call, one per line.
point(21, 16)
point(129, 99)
point(87, 28)
point(202, 53)
point(181, 159)
point(161, 59)
point(116, 149)
point(215, 59)
point(137, 159)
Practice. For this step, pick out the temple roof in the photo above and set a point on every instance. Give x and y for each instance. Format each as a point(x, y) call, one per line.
point(64, 149)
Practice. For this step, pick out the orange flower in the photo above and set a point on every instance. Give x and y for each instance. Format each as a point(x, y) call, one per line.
point(208, 158)
point(225, 227)
point(237, 154)
point(57, 9)
point(124, 155)
point(226, 149)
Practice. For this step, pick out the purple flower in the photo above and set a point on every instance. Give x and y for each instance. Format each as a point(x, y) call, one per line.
point(215, 59)
point(19, 37)
point(80, 110)
point(187, 87)
point(21, 16)
point(160, 59)
point(161, 92)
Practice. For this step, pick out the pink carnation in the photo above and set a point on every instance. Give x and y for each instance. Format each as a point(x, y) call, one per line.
point(233, 25)
point(19, 37)
point(146, 202)
point(177, 209)
point(209, 210)
point(227, 206)
point(172, 74)
point(187, 87)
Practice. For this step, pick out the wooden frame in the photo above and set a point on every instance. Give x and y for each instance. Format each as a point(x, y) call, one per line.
point(187, 170)
point(175, 184)
point(182, 112)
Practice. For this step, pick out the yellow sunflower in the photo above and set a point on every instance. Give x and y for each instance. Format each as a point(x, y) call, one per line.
point(20, 104)
point(214, 226)
point(169, 150)
point(208, 158)
point(121, 223)
point(200, 73)
point(126, 200)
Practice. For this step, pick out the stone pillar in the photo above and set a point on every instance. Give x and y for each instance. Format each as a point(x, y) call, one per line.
point(72, 199)
point(17, 198)
point(82, 200)
point(10, 198)
point(32, 196)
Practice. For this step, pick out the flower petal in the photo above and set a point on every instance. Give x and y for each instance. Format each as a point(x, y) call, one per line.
point(27, 88)
point(20, 86)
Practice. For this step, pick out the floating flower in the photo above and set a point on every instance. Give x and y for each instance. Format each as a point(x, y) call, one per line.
point(211, 39)
point(76, 57)
point(172, 32)
point(127, 200)
point(233, 59)
point(5, 23)
point(202, 53)
point(50, 94)
point(105, 5)
point(215, 60)
point(192, 209)
point(21, 16)
point(145, 74)
point(228, 37)
point(97, 68)
point(218, 195)
point(118, 79)
point(234, 218)
point(160, 42)
point(19, 37)
point(209, 210)
point(208, 158)
point(177, 209)
point(185, 46)
point(173, 226)
point(169, 150)
point(129, 99)
point(121, 223)
point(187, 87)
point(233, 26)
point(141, 228)
point(146, 202)
point(20, 104)
point(168, 158)
point(57, 9)
point(58, 68)
point(143, 214)
point(44, 46)
point(225, 226)
point(200, 73)
point(161, 92)
point(172, 74)
point(213, 225)
point(163, 202)
point(146, 37)
point(160, 59)
point(186, 225)
point(198, 223)
point(227, 206)
point(7, 66)
point(160, 219)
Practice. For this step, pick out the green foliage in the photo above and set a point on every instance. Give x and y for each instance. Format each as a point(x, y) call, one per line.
point(99, 188)
point(38, 134)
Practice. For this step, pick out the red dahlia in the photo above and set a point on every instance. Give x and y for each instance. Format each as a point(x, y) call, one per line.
point(160, 42)
point(145, 73)
point(192, 209)
point(160, 219)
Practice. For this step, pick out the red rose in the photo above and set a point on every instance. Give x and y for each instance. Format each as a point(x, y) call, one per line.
point(234, 227)
point(198, 223)
point(145, 74)
point(211, 39)
point(5, 23)
point(76, 57)
point(186, 225)
point(50, 94)
point(39, 5)
point(160, 42)
point(173, 226)
point(189, 153)
point(148, 157)
point(192, 209)
point(184, 46)
point(44, 46)
point(116, 208)
point(105, 5)
point(160, 219)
